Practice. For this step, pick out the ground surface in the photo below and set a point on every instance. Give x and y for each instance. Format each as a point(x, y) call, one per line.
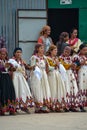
point(51, 121)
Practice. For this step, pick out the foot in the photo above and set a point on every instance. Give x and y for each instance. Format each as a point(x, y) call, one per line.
point(44, 109)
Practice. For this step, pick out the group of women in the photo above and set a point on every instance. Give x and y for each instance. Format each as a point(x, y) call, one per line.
point(57, 81)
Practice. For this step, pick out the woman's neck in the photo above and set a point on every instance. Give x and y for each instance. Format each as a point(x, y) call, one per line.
point(40, 54)
point(81, 54)
point(45, 35)
point(72, 38)
point(53, 56)
point(17, 58)
point(66, 55)
point(3, 59)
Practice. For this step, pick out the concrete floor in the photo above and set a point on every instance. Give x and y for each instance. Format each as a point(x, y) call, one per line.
point(51, 121)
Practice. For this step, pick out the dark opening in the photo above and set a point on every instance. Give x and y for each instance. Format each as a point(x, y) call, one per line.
point(62, 20)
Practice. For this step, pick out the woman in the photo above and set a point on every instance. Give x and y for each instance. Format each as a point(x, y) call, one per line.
point(62, 43)
point(74, 42)
point(44, 37)
point(21, 86)
point(66, 60)
point(57, 86)
point(7, 93)
point(39, 81)
point(81, 64)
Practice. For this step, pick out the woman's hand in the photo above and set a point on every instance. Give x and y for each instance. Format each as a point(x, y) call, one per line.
point(57, 61)
point(7, 65)
point(82, 62)
point(30, 67)
point(73, 66)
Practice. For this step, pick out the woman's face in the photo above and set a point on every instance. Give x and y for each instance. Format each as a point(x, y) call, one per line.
point(0, 54)
point(66, 38)
point(54, 52)
point(48, 31)
point(41, 50)
point(18, 54)
point(3, 55)
point(74, 33)
point(67, 52)
point(83, 51)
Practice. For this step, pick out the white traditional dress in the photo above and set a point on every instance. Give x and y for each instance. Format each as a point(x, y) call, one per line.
point(21, 86)
point(82, 71)
point(64, 75)
point(39, 80)
point(81, 78)
point(72, 84)
point(56, 82)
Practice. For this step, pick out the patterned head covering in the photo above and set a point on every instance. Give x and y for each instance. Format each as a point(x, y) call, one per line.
point(3, 50)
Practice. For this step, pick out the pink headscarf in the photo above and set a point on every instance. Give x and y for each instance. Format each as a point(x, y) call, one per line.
point(3, 50)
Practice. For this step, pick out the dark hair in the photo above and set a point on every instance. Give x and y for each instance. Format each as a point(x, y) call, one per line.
point(73, 30)
point(16, 49)
point(61, 42)
point(37, 46)
point(82, 46)
point(62, 36)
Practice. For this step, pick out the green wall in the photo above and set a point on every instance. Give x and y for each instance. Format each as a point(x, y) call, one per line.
point(82, 5)
point(83, 24)
point(75, 4)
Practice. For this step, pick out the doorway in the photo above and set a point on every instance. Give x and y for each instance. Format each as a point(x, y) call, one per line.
point(62, 20)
